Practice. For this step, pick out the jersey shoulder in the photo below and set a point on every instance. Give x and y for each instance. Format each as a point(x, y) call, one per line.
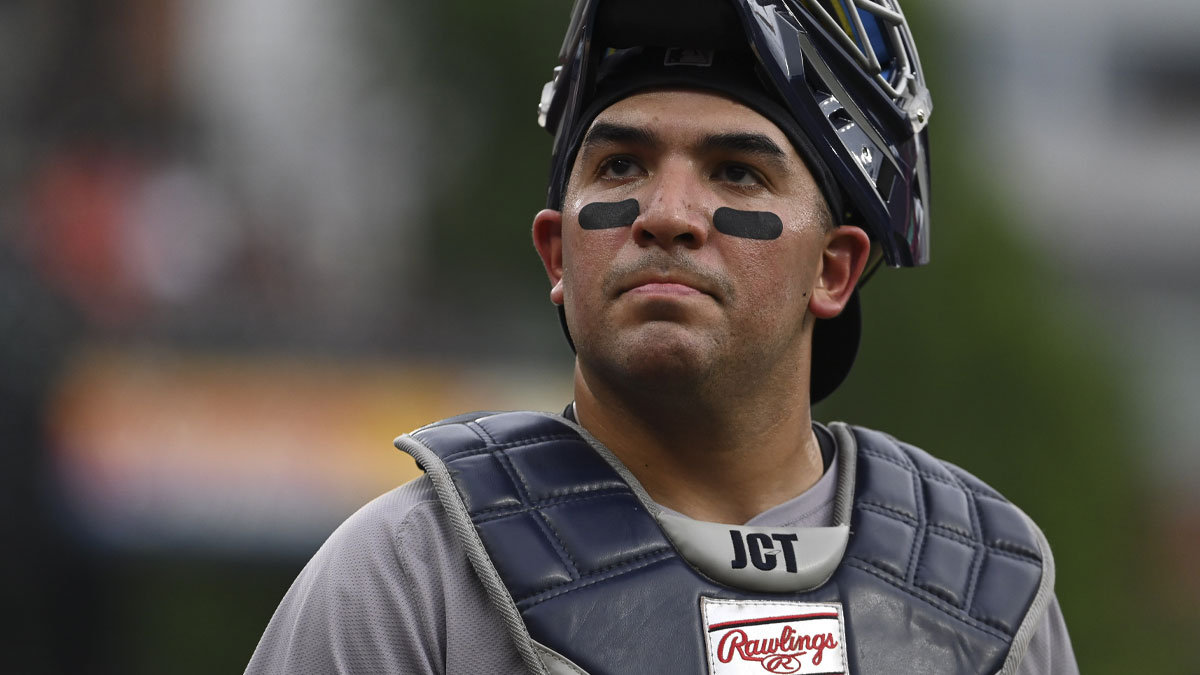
point(389, 591)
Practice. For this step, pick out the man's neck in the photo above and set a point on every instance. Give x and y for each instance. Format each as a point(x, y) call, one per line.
point(723, 462)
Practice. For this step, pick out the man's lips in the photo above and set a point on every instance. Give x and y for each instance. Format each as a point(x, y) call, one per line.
point(668, 278)
point(676, 283)
point(663, 288)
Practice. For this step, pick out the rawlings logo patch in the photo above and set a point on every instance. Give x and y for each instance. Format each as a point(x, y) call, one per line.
point(752, 637)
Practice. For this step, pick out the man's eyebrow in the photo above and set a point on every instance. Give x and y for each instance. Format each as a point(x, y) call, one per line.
point(619, 134)
point(746, 142)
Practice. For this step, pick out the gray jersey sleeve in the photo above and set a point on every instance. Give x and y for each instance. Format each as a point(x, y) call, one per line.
point(1049, 651)
point(390, 591)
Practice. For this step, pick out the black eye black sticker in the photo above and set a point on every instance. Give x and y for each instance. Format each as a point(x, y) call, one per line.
point(605, 215)
point(747, 224)
point(761, 225)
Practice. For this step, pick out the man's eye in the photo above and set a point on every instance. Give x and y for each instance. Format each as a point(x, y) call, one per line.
point(737, 174)
point(619, 167)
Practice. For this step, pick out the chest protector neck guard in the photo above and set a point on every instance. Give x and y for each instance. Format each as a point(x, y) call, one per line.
point(936, 572)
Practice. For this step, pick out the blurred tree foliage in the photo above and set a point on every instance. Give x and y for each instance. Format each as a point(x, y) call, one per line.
point(983, 359)
point(488, 62)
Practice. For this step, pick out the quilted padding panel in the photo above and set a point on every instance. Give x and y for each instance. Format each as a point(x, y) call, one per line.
point(506, 429)
point(457, 438)
point(977, 557)
point(889, 486)
point(947, 507)
point(542, 478)
point(491, 488)
point(538, 493)
point(600, 540)
point(890, 545)
point(996, 603)
point(945, 568)
point(523, 553)
point(1002, 531)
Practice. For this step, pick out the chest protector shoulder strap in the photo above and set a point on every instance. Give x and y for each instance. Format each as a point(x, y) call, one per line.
point(940, 575)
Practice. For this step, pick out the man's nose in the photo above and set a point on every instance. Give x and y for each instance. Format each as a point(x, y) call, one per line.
point(673, 214)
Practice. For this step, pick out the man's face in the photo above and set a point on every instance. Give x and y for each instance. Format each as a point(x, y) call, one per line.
point(693, 240)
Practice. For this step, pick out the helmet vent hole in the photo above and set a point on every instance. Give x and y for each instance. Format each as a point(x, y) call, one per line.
point(841, 119)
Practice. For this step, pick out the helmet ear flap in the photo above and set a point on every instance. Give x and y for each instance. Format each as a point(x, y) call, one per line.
point(562, 321)
point(834, 348)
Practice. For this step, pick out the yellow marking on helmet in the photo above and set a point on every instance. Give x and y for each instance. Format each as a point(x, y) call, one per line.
point(845, 20)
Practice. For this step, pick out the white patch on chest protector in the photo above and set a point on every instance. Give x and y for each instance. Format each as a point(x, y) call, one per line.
point(756, 637)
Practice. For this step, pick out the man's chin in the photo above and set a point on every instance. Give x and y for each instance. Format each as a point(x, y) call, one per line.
point(662, 359)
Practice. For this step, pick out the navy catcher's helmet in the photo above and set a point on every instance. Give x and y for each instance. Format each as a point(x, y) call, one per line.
point(845, 70)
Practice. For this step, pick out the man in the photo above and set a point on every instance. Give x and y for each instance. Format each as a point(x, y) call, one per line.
point(724, 172)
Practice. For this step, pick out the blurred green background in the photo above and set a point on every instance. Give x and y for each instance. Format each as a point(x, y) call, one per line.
point(244, 243)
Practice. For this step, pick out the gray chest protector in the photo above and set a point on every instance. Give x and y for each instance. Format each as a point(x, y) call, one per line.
point(927, 570)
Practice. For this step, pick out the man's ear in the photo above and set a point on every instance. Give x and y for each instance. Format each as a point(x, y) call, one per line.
point(547, 239)
point(842, 262)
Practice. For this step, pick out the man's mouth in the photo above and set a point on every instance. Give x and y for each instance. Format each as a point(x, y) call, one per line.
point(664, 288)
point(662, 276)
